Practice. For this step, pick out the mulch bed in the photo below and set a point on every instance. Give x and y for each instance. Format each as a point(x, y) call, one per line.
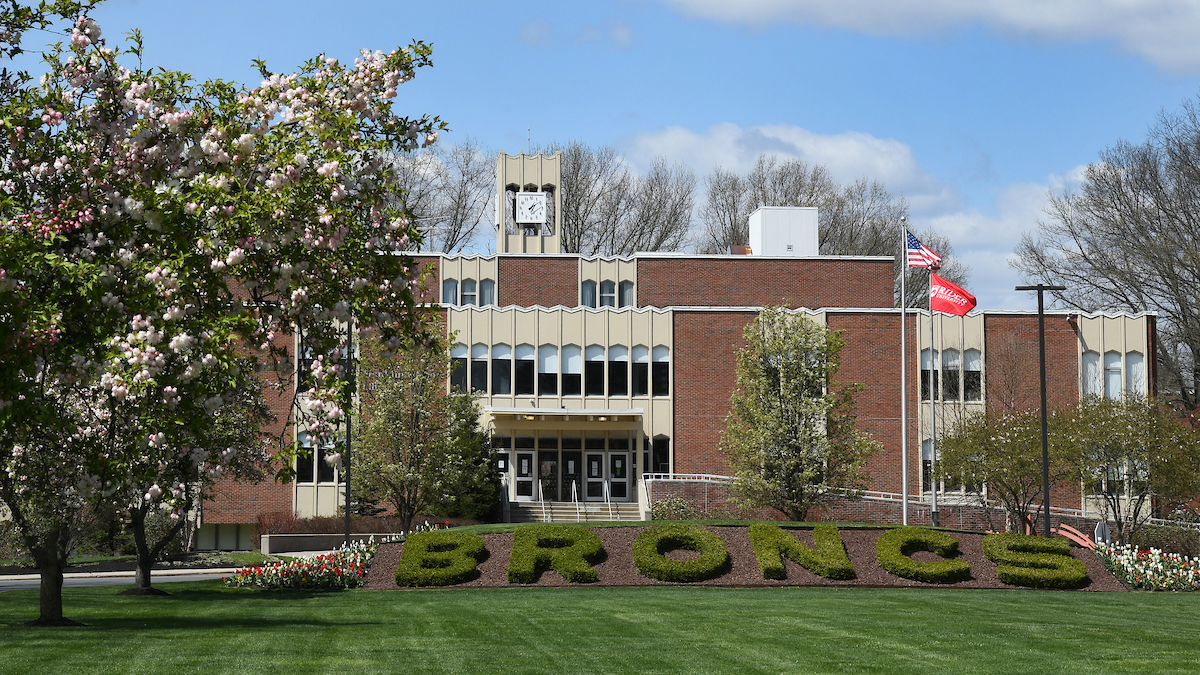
point(616, 568)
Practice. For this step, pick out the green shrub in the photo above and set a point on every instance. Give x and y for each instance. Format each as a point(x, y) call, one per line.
point(1036, 562)
point(440, 558)
point(894, 547)
point(1168, 539)
point(672, 507)
point(566, 549)
point(651, 545)
point(772, 543)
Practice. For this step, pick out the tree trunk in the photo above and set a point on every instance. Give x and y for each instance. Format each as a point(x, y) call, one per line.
point(50, 605)
point(145, 557)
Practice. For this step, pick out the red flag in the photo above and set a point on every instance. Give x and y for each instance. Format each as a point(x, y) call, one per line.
point(946, 297)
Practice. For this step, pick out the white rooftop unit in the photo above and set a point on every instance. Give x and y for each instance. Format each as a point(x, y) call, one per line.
point(784, 231)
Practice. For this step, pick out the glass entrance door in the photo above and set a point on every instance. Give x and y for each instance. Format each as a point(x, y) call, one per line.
point(548, 474)
point(572, 475)
point(595, 477)
point(618, 476)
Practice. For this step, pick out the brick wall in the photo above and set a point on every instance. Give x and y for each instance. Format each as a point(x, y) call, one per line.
point(537, 280)
point(704, 367)
point(432, 290)
point(747, 281)
point(1011, 370)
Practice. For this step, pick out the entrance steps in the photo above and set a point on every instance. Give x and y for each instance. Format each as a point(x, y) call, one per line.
point(569, 512)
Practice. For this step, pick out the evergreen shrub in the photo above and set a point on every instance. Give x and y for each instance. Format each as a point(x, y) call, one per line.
point(772, 543)
point(440, 558)
point(894, 547)
point(566, 549)
point(651, 545)
point(1035, 562)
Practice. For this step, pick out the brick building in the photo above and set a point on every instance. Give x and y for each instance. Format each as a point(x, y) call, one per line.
point(596, 372)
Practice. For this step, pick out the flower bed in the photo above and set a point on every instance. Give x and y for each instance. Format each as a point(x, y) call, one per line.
point(343, 568)
point(1151, 570)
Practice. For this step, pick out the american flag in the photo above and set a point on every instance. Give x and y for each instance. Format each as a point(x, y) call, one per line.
point(920, 255)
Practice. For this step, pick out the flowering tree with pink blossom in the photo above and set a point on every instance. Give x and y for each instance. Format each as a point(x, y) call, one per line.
point(161, 243)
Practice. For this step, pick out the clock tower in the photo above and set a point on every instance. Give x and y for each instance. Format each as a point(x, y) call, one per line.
point(527, 190)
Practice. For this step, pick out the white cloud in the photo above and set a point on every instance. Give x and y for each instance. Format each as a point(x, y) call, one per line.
point(1163, 32)
point(985, 242)
point(848, 156)
point(618, 33)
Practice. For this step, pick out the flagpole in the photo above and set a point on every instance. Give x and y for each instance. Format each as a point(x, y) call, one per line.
point(934, 515)
point(903, 374)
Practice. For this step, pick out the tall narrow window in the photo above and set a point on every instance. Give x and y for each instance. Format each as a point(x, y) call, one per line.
point(641, 371)
point(608, 294)
point(618, 371)
point(972, 375)
point(1112, 375)
point(1092, 380)
point(593, 371)
point(547, 370)
point(525, 370)
point(926, 466)
point(501, 370)
point(468, 292)
point(449, 292)
point(325, 470)
point(572, 370)
point(928, 367)
point(625, 297)
point(487, 292)
point(1135, 373)
point(660, 371)
point(661, 454)
point(458, 368)
point(587, 294)
point(304, 459)
point(950, 374)
point(479, 368)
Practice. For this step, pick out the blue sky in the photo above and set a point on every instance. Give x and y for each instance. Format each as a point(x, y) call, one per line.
point(970, 110)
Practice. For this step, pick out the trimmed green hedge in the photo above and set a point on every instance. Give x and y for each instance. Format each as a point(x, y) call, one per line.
point(440, 558)
point(650, 545)
point(894, 547)
point(1035, 562)
point(771, 543)
point(566, 549)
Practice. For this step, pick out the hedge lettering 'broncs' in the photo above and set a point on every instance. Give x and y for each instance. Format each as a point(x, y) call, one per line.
point(566, 549)
point(772, 543)
point(894, 547)
point(440, 558)
point(1036, 562)
point(651, 545)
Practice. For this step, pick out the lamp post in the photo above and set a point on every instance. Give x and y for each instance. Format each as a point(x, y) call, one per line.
point(1041, 288)
point(350, 361)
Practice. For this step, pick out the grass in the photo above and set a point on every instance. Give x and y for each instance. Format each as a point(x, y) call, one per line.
point(204, 627)
point(222, 558)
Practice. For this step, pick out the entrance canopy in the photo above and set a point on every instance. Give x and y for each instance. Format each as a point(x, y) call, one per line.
point(511, 420)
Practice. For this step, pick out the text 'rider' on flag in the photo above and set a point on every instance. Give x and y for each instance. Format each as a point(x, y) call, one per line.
point(949, 298)
point(920, 255)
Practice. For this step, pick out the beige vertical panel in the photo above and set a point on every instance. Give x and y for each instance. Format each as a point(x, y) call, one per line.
point(521, 170)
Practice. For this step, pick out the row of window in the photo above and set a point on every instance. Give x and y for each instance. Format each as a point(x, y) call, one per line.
point(1109, 380)
point(309, 457)
point(587, 372)
point(611, 294)
point(481, 293)
point(956, 376)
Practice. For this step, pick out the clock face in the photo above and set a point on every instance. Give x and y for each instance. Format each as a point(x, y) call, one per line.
point(531, 208)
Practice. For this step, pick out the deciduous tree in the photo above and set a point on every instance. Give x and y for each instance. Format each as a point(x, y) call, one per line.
point(160, 241)
point(1127, 240)
point(418, 444)
point(790, 434)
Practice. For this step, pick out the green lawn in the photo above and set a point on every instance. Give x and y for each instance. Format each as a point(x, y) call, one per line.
point(205, 628)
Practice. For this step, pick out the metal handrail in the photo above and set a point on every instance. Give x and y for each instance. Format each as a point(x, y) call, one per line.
point(542, 501)
point(608, 500)
point(575, 499)
point(688, 477)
